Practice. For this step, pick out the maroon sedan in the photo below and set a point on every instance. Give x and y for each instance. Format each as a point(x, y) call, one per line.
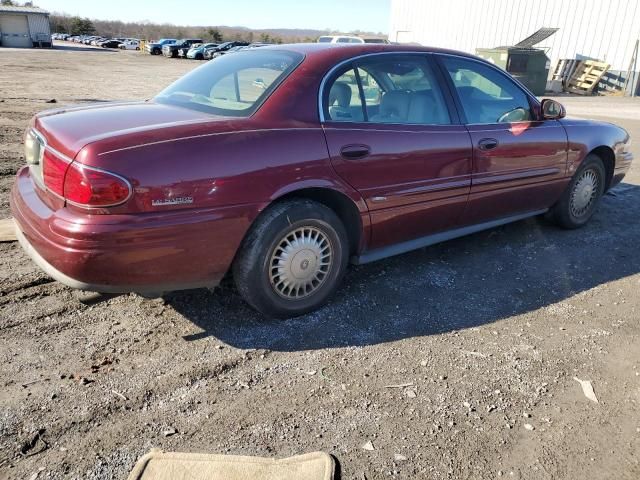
point(280, 165)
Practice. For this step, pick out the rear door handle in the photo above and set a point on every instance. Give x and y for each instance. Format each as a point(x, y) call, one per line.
point(487, 144)
point(355, 152)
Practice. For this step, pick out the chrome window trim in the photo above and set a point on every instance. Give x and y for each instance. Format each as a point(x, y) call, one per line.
point(425, 54)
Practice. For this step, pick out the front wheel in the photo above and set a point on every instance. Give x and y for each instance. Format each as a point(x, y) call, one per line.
point(292, 260)
point(582, 196)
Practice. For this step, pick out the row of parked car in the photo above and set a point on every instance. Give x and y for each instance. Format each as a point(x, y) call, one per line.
point(98, 41)
point(195, 48)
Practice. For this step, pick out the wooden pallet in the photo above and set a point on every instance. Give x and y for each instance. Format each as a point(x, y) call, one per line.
point(586, 76)
point(564, 70)
point(7, 230)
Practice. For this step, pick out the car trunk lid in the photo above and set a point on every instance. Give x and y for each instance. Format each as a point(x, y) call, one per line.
point(68, 130)
point(63, 133)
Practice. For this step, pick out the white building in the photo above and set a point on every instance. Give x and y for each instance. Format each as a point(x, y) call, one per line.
point(24, 27)
point(599, 29)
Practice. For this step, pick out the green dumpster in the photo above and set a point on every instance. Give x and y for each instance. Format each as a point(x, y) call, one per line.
point(529, 65)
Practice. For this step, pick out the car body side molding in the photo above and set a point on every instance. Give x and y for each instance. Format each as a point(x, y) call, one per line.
point(421, 242)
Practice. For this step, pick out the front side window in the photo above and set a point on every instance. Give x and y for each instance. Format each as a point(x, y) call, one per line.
point(397, 89)
point(232, 85)
point(487, 96)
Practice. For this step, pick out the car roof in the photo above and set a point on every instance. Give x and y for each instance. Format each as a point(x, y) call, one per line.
point(364, 48)
point(323, 56)
point(346, 50)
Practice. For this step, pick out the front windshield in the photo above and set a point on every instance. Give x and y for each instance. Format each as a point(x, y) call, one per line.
point(232, 85)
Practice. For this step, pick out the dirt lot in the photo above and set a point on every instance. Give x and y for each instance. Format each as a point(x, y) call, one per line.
point(487, 331)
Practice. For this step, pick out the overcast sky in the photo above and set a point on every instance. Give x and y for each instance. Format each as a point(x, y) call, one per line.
point(338, 15)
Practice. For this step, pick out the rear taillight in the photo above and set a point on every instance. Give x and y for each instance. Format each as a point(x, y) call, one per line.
point(82, 185)
point(92, 187)
point(53, 172)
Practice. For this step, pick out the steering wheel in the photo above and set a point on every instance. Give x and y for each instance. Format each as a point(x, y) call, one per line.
point(517, 114)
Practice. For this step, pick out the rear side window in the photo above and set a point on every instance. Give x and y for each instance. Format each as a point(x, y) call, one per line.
point(232, 85)
point(396, 89)
point(487, 96)
point(344, 103)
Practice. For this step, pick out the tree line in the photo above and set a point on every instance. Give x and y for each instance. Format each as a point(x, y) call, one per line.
point(72, 25)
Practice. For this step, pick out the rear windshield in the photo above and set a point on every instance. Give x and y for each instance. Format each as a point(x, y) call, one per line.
point(232, 85)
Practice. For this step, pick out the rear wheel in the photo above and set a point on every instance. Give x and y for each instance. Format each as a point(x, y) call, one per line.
point(581, 198)
point(292, 260)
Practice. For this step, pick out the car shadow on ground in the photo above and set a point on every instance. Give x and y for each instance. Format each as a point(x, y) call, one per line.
point(464, 283)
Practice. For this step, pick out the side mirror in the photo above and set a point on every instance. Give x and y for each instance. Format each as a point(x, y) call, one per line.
point(552, 110)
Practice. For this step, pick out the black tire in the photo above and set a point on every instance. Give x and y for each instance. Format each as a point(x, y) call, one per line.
point(565, 212)
point(257, 276)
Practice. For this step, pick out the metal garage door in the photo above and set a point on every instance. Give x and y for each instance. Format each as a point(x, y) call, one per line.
point(15, 31)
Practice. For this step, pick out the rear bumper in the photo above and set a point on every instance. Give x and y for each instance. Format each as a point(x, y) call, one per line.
point(144, 253)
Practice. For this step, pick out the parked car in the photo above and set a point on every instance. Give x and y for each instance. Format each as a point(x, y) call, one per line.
point(351, 39)
point(171, 49)
point(223, 47)
point(182, 52)
point(156, 47)
point(291, 173)
point(130, 45)
point(111, 44)
point(235, 49)
point(197, 51)
point(376, 40)
point(258, 45)
point(340, 39)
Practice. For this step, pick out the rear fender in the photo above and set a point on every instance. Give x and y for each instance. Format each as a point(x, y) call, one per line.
point(311, 187)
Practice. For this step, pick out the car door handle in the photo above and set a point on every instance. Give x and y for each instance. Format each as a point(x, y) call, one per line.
point(354, 152)
point(487, 144)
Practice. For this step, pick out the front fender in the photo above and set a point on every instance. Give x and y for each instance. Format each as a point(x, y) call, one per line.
point(585, 136)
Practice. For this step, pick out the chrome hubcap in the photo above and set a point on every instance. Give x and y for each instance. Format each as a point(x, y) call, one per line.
point(584, 193)
point(300, 263)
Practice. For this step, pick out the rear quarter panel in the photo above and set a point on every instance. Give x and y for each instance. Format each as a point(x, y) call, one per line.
point(246, 168)
point(252, 165)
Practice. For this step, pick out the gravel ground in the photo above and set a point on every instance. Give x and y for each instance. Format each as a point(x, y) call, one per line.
point(455, 361)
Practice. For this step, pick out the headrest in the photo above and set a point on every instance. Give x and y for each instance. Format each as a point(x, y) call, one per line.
point(340, 92)
point(395, 103)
